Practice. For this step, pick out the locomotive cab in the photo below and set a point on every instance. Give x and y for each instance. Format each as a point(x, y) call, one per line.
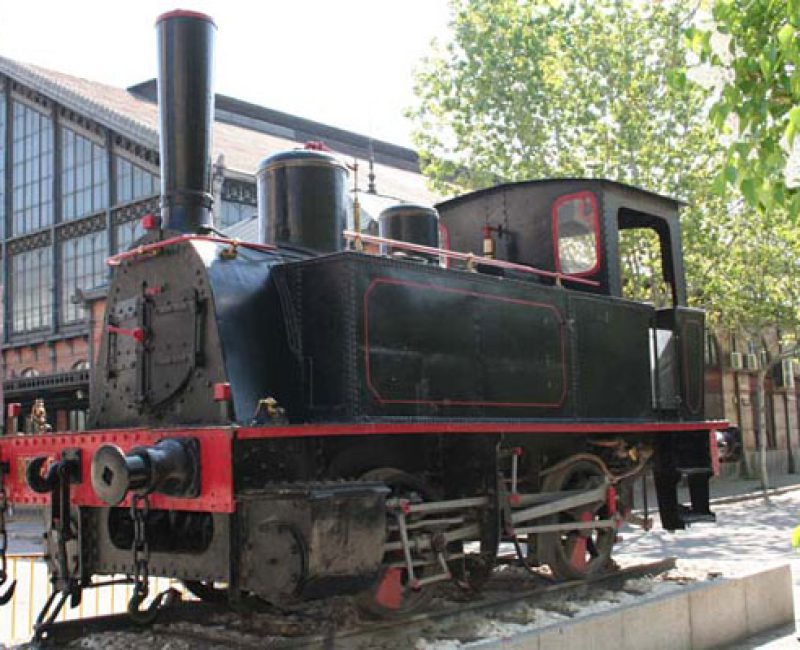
point(579, 228)
point(570, 226)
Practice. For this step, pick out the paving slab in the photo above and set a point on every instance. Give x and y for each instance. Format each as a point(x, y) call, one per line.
point(598, 632)
point(707, 615)
point(769, 599)
point(726, 604)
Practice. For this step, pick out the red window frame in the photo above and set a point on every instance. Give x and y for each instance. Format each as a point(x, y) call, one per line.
point(561, 200)
point(444, 242)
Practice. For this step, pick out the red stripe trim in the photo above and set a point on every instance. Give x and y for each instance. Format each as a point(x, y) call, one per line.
point(418, 428)
point(448, 402)
point(185, 13)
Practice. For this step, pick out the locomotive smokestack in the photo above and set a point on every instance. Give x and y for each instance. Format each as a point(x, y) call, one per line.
point(186, 112)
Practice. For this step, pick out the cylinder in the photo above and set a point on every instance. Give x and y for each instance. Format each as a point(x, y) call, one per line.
point(186, 112)
point(416, 224)
point(303, 200)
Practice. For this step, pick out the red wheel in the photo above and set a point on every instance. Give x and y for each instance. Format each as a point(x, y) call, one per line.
point(576, 554)
point(392, 597)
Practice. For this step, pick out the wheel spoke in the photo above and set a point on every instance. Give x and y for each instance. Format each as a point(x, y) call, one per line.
point(578, 555)
point(390, 589)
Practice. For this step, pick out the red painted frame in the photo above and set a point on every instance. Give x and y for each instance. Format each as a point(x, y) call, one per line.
point(478, 427)
point(185, 13)
point(216, 474)
point(444, 242)
point(597, 238)
point(446, 402)
point(216, 446)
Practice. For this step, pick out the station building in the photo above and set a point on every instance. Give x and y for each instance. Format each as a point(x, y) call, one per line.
point(79, 167)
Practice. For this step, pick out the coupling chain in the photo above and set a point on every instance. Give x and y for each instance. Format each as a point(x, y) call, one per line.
point(140, 509)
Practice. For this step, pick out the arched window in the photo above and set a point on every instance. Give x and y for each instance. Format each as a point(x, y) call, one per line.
point(29, 372)
point(83, 364)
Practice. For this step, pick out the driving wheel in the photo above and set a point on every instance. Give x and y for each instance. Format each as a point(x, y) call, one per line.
point(575, 554)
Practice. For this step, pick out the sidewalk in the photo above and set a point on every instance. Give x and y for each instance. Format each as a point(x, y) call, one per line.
point(723, 490)
point(726, 488)
point(729, 490)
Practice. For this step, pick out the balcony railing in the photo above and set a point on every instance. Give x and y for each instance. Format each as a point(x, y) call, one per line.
point(55, 381)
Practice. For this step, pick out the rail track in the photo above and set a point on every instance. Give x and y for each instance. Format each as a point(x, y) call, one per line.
point(334, 623)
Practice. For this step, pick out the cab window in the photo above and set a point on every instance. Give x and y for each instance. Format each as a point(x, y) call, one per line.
point(646, 265)
point(576, 233)
point(642, 268)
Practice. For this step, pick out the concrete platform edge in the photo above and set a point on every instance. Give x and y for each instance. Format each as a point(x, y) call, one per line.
point(707, 615)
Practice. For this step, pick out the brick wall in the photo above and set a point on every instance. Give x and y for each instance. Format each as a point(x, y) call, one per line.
point(46, 358)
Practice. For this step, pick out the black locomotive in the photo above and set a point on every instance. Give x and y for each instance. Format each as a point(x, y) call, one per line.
point(298, 417)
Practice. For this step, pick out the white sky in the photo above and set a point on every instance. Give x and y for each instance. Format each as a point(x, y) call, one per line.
point(347, 63)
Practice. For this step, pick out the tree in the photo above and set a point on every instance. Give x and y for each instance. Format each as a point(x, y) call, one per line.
point(605, 88)
point(581, 88)
point(754, 48)
point(578, 88)
point(757, 52)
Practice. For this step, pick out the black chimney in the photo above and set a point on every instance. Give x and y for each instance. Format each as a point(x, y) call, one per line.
point(186, 110)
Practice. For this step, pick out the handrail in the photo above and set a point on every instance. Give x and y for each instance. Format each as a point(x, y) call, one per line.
point(116, 260)
point(350, 235)
point(470, 258)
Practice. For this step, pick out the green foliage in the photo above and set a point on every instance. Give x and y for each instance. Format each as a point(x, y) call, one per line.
point(601, 89)
point(758, 52)
point(532, 89)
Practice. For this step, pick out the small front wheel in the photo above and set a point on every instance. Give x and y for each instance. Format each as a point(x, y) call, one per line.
point(392, 596)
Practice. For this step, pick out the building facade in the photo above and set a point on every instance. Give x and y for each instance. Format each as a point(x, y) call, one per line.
point(78, 169)
point(732, 366)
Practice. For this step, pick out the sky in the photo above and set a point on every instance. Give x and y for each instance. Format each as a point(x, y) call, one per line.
point(347, 63)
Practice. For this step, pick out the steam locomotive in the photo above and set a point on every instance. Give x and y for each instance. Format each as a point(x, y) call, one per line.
point(325, 411)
